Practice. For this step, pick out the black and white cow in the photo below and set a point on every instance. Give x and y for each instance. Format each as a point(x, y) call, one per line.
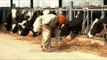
point(75, 26)
point(26, 18)
point(15, 18)
point(29, 25)
point(98, 28)
point(22, 21)
point(19, 19)
point(11, 20)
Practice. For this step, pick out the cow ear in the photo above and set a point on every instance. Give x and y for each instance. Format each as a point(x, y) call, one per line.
point(62, 25)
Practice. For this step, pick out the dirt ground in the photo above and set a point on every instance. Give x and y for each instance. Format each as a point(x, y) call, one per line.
point(13, 46)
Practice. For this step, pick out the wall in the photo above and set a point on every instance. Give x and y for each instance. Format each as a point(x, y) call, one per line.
point(4, 3)
point(22, 3)
point(48, 3)
point(82, 2)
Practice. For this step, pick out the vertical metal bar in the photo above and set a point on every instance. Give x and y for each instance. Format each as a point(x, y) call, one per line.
point(31, 3)
point(60, 3)
point(67, 14)
point(83, 23)
point(4, 16)
point(91, 17)
point(70, 12)
point(11, 3)
point(103, 13)
point(88, 19)
point(74, 13)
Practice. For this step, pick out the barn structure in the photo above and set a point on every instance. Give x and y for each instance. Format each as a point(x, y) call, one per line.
point(52, 3)
point(79, 13)
point(70, 6)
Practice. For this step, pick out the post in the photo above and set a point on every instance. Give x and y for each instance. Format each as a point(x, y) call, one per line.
point(11, 3)
point(70, 12)
point(4, 15)
point(31, 3)
point(105, 2)
point(60, 3)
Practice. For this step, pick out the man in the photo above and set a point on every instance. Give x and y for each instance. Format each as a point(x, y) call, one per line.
point(47, 23)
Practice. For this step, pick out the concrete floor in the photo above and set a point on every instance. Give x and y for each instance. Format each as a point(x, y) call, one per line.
point(11, 49)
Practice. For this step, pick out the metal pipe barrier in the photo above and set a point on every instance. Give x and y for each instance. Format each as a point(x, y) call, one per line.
point(71, 12)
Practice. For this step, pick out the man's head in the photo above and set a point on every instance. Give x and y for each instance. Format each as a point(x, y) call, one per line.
point(45, 12)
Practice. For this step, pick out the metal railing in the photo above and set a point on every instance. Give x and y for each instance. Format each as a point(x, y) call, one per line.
point(71, 12)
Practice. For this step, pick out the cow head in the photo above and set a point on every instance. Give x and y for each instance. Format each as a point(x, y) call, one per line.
point(13, 11)
point(64, 30)
point(96, 27)
point(20, 20)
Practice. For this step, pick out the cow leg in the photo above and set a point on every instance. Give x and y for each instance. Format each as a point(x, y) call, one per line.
point(14, 28)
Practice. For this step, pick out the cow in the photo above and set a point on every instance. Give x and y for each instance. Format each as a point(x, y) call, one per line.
point(22, 21)
point(20, 17)
point(75, 25)
point(11, 20)
point(16, 19)
point(29, 25)
point(98, 28)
